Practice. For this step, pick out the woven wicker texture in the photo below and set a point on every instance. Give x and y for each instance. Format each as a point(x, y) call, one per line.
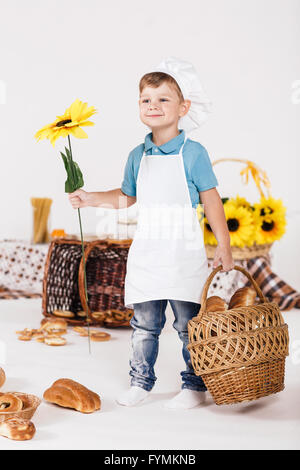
point(30, 404)
point(225, 347)
point(63, 287)
point(239, 253)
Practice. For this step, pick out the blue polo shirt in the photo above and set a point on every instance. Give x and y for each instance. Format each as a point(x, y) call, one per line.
point(198, 169)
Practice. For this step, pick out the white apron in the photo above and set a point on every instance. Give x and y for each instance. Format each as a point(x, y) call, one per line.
point(167, 257)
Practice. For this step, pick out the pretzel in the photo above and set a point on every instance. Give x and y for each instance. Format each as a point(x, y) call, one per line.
point(10, 402)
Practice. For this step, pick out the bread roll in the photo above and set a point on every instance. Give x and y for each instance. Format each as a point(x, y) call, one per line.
point(18, 429)
point(242, 297)
point(2, 377)
point(71, 394)
point(50, 324)
point(216, 304)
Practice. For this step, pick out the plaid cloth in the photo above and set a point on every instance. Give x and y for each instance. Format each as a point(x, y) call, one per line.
point(272, 286)
point(17, 294)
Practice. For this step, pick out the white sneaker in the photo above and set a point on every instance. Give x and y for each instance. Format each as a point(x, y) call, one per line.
point(132, 397)
point(186, 399)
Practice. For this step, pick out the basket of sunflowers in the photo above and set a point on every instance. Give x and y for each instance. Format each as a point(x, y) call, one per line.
point(254, 227)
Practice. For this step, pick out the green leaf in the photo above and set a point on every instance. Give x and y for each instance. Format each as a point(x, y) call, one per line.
point(78, 176)
point(74, 175)
point(224, 199)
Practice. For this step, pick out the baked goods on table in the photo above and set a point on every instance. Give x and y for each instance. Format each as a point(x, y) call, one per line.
point(52, 329)
point(100, 336)
point(63, 313)
point(54, 325)
point(55, 340)
point(95, 335)
point(71, 394)
point(10, 402)
point(2, 376)
point(242, 297)
point(18, 429)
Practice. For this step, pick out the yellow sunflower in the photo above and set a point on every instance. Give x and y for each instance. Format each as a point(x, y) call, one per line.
point(69, 123)
point(240, 225)
point(270, 206)
point(239, 202)
point(209, 238)
point(270, 221)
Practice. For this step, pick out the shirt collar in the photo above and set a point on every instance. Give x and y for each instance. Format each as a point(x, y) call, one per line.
point(168, 147)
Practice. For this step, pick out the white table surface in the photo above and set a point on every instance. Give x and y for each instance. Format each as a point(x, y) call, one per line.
point(272, 422)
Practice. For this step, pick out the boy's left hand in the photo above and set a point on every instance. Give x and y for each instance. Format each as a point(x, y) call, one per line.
point(223, 256)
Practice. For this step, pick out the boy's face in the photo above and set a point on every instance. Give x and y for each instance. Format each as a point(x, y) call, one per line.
point(160, 107)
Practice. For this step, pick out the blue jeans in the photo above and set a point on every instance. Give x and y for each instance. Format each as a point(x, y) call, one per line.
point(147, 323)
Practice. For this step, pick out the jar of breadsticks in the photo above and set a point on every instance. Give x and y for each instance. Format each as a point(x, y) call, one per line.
point(40, 219)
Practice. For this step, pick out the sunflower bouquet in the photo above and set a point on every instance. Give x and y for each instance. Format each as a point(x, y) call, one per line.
point(252, 227)
point(70, 123)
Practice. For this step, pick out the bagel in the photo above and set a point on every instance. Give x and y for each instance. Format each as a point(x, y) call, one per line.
point(10, 402)
point(55, 340)
point(100, 336)
point(63, 313)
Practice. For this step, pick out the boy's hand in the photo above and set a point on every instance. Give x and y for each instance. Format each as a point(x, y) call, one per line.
point(79, 198)
point(223, 256)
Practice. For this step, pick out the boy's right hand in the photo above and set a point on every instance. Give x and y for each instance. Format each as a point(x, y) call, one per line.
point(79, 198)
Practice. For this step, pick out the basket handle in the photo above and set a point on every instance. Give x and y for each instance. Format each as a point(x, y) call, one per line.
point(210, 278)
point(259, 176)
point(90, 246)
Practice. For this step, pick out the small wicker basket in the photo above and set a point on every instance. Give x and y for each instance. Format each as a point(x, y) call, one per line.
point(239, 353)
point(30, 404)
point(63, 284)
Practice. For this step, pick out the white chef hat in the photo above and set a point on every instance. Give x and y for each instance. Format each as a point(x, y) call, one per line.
point(188, 81)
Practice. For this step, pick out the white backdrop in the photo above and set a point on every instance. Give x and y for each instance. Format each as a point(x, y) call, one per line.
point(52, 52)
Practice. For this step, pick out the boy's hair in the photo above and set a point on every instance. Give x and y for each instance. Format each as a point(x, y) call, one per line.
point(155, 79)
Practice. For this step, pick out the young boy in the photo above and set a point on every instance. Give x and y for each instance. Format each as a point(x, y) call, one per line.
point(168, 175)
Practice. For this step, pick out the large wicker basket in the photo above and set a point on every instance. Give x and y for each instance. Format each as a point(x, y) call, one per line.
point(240, 353)
point(63, 284)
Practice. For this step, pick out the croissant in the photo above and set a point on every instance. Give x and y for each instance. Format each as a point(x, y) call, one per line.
point(216, 304)
point(2, 377)
point(242, 297)
point(71, 394)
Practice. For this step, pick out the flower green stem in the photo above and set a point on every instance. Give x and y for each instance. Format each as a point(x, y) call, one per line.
point(84, 264)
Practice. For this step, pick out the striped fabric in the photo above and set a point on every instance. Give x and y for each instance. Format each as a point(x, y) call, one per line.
point(272, 286)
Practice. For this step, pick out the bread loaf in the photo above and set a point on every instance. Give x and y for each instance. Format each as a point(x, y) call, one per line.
point(216, 304)
point(71, 394)
point(242, 297)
